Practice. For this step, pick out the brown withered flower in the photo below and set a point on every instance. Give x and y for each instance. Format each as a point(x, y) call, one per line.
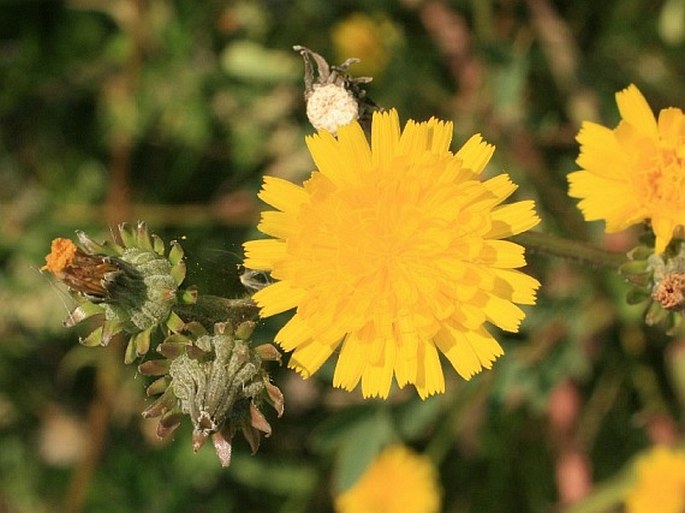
point(334, 97)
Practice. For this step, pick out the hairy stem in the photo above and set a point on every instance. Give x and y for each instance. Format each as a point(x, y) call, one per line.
point(580, 252)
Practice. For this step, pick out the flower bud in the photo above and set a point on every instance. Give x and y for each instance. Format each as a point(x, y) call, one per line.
point(219, 382)
point(130, 287)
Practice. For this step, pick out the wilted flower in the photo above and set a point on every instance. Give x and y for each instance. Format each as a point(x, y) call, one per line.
point(130, 287)
point(659, 279)
point(133, 288)
point(334, 98)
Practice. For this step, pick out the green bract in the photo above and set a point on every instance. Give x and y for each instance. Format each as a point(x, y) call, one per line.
point(218, 381)
point(141, 287)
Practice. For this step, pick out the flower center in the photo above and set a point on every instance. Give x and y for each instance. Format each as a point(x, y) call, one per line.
point(385, 235)
point(370, 244)
point(664, 180)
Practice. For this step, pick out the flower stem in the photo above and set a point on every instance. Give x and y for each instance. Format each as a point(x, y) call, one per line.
point(581, 252)
point(472, 393)
point(605, 496)
point(209, 309)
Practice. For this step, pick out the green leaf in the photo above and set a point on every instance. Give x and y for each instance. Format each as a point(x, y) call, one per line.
point(175, 323)
point(109, 329)
point(359, 435)
point(251, 62)
point(89, 244)
point(141, 341)
point(415, 417)
point(158, 245)
point(143, 237)
point(176, 253)
point(178, 272)
point(128, 237)
point(94, 339)
point(130, 352)
point(82, 312)
point(281, 477)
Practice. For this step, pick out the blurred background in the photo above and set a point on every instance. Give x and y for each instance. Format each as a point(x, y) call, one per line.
point(171, 111)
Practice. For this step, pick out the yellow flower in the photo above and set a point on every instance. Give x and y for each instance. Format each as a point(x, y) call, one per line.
point(634, 172)
point(660, 484)
point(398, 481)
point(393, 252)
point(371, 40)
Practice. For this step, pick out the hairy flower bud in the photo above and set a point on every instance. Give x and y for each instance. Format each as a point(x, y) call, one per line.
point(660, 279)
point(130, 287)
point(218, 381)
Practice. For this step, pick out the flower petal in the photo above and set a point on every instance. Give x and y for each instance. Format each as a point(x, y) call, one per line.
point(457, 348)
point(475, 154)
point(310, 356)
point(429, 379)
point(512, 219)
point(385, 136)
point(501, 253)
point(377, 375)
point(262, 254)
point(277, 297)
point(278, 224)
point(282, 194)
point(294, 334)
point(635, 110)
point(351, 363)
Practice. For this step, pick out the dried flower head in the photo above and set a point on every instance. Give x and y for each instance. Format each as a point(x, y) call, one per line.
point(670, 291)
point(334, 98)
point(659, 279)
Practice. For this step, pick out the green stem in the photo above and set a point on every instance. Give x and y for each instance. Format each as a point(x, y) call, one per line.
point(443, 439)
point(605, 496)
point(209, 310)
point(581, 252)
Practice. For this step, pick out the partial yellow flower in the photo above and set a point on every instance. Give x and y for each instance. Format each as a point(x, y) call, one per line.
point(371, 40)
point(398, 481)
point(393, 252)
point(660, 484)
point(634, 172)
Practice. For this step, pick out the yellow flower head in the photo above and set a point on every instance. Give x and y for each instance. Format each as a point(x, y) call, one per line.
point(392, 252)
point(634, 172)
point(660, 484)
point(398, 481)
point(371, 40)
